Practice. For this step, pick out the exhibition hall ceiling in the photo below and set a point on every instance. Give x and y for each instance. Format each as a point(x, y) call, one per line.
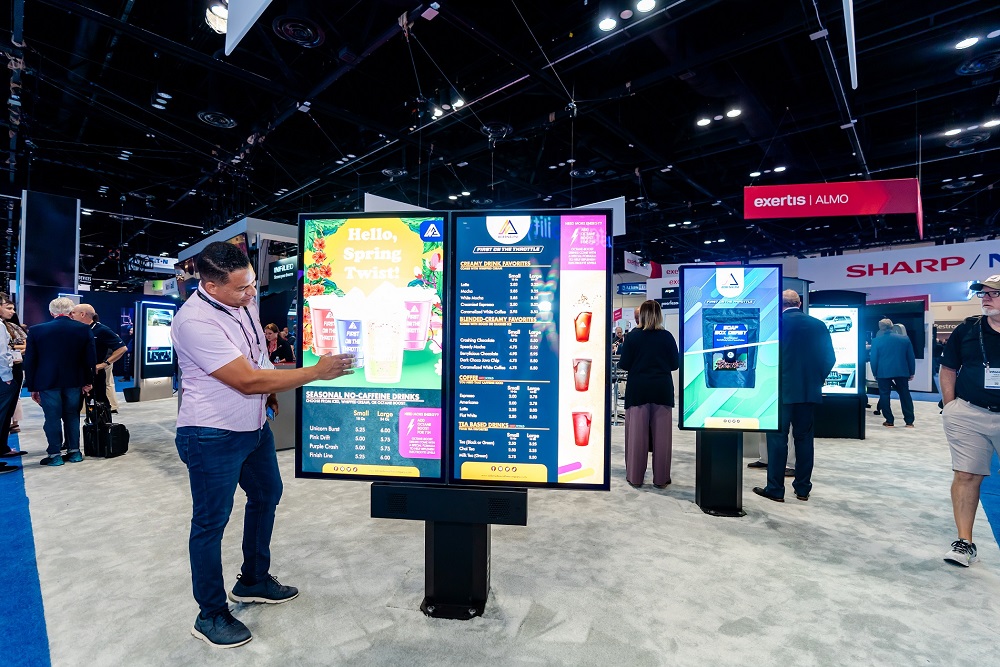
point(133, 107)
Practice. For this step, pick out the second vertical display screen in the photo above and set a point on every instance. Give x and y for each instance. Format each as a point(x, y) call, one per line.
point(530, 349)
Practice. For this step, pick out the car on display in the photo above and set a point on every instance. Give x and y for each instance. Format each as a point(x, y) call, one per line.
point(838, 323)
point(842, 375)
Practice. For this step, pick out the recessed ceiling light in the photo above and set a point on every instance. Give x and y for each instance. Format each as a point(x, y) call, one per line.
point(946, 180)
point(953, 132)
point(157, 105)
point(607, 24)
point(961, 178)
point(570, 161)
point(721, 241)
point(562, 164)
point(719, 117)
point(778, 170)
point(665, 170)
point(626, 14)
point(686, 222)
point(754, 174)
point(552, 166)
point(453, 197)
point(672, 224)
point(966, 43)
point(972, 127)
point(86, 211)
point(733, 113)
point(976, 175)
point(989, 35)
point(123, 157)
point(991, 123)
point(124, 152)
point(645, 6)
point(702, 122)
point(707, 242)
point(466, 193)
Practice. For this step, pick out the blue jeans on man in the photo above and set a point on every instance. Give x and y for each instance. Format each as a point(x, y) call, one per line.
point(800, 417)
point(902, 387)
point(61, 408)
point(218, 460)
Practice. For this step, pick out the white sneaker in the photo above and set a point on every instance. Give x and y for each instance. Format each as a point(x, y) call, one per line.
point(962, 553)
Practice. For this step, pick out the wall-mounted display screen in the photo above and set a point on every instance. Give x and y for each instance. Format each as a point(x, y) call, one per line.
point(156, 345)
point(530, 349)
point(373, 287)
point(729, 343)
point(842, 323)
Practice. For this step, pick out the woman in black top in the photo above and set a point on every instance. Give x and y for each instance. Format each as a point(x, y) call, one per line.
point(649, 354)
point(278, 350)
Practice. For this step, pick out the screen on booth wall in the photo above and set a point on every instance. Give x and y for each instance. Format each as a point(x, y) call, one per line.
point(372, 286)
point(842, 323)
point(729, 347)
point(530, 349)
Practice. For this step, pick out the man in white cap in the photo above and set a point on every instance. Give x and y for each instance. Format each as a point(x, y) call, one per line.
point(970, 390)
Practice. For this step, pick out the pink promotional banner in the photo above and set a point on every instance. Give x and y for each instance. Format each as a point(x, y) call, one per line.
point(807, 200)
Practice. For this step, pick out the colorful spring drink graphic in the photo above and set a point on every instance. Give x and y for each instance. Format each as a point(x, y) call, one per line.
point(581, 374)
point(350, 325)
point(581, 428)
point(582, 326)
point(324, 323)
point(384, 335)
point(418, 302)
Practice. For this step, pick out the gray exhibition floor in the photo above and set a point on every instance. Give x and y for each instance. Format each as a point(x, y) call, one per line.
point(854, 576)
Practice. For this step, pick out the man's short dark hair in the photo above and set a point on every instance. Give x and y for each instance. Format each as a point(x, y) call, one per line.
point(219, 259)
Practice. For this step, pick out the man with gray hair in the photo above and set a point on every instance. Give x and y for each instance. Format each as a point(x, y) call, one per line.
point(59, 363)
point(893, 365)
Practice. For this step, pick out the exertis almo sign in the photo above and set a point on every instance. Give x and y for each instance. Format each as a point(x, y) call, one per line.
point(512, 329)
point(729, 344)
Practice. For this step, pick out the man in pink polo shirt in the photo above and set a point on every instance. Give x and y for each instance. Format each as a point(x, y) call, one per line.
point(227, 387)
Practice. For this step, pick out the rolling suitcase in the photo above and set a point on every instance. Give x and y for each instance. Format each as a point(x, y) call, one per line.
point(114, 439)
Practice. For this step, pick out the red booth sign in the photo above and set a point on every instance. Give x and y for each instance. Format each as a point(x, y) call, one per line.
point(834, 199)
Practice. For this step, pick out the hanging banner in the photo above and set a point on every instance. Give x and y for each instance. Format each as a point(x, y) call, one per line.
point(848, 198)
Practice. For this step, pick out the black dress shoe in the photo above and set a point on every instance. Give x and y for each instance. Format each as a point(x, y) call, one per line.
point(805, 497)
point(634, 486)
point(760, 492)
point(757, 464)
point(662, 486)
point(13, 454)
point(789, 472)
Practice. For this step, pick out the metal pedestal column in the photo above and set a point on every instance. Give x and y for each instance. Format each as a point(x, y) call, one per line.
point(718, 488)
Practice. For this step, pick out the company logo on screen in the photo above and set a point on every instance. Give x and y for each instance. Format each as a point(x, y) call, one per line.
point(431, 231)
point(508, 229)
point(729, 282)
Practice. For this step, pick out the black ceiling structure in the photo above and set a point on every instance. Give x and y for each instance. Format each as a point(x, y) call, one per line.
point(322, 102)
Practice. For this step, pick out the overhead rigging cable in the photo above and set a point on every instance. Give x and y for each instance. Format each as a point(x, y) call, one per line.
point(544, 55)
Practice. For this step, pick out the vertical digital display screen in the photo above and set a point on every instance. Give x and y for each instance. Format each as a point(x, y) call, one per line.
point(157, 348)
point(373, 287)
point(729, 343)
point(842, 323)
point(530, 349)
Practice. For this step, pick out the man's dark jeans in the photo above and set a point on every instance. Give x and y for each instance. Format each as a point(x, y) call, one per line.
point(61, 408)
point(800, 418)
point(218, 460)
point(902, 387)
point(8, 399)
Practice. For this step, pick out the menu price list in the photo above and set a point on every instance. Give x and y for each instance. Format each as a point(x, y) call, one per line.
point(370, 433)
point(506, 407)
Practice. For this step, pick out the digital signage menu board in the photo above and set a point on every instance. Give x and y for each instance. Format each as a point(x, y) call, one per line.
point(530, 349)
point(372, 286)
point(842, 323)
point(729, 343)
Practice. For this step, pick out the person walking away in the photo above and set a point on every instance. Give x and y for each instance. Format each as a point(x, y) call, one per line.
point(59, 361)
point(893, 365)
point(970, 390)
point(228, 386)
point(807, 357)
point(649, 354)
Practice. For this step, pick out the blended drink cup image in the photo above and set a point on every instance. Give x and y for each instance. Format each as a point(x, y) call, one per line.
point(582, 323)
point(350, 327)
point(323, 308)
point(418, 302)
point(384, 336)
point(581, 374)
point(581, 428)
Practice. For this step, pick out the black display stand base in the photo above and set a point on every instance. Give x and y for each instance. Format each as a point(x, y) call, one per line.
point(718, 488)
point(456, 538)
point(841, 417)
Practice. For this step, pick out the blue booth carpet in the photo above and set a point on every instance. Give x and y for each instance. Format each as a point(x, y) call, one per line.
point(26, 642)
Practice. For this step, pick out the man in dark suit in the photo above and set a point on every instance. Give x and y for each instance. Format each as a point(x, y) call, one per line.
point(893, 365)
point(59, 361)
point(806, 359)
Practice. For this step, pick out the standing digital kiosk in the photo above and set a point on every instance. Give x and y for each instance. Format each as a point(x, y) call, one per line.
point(475, 376)
point(730, 371)
point(153, 354)
point(842, 413)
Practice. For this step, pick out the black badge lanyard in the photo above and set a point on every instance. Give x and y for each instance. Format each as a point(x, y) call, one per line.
point(238, 321)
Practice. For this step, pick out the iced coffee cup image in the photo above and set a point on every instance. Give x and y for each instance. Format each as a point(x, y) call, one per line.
point(581, 374)
point(584, 315)
point(323, 308)
point(581, 428)
point(385, 335)
point(350, 325)
point(418, 302)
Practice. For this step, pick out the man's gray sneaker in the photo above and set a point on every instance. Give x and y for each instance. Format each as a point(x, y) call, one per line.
point(268, 591)
point(221, 630)
point(962, 553)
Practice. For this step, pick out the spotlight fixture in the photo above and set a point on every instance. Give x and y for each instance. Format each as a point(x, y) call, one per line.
point(951, 133)
point(991, 35)
point(217, 16)
point(453, 197)
point(644, 6)
point(991, 123)
point(686, 222)
point(778, 170)
point(733, 113)
point(966, 43)
point(606, 13)
point(703, 121)
point(754, 174)
point(626, 14)
point(466, 193)
point(607, 24)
